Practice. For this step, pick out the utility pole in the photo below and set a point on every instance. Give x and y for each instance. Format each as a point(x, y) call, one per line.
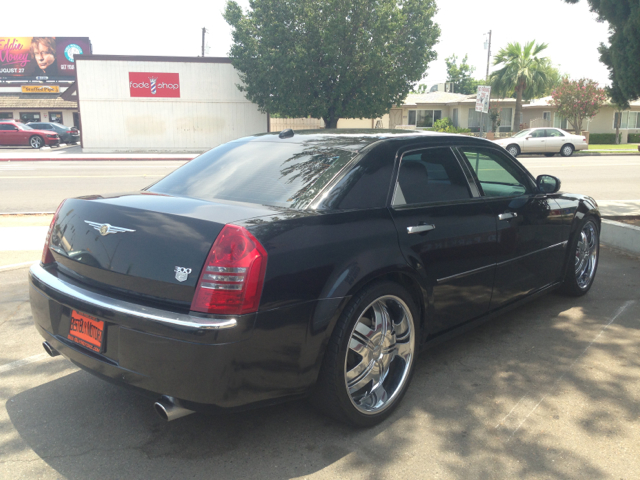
point(204, 30)
point(488, 54)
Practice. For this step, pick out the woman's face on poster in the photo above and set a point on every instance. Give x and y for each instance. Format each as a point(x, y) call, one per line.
point(43, 55)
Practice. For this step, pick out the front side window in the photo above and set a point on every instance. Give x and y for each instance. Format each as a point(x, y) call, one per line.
point(430, 175)
point(498, 175)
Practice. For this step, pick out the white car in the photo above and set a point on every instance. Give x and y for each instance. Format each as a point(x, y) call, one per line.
point(548, 141)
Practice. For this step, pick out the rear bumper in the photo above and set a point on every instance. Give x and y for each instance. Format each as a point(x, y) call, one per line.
point(225, 362)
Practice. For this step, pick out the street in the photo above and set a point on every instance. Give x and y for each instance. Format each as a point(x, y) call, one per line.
point(549, 390)
point(41, 186)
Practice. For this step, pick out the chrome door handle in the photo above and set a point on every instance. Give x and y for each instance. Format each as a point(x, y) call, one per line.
point(420, 228)
point(507, 216)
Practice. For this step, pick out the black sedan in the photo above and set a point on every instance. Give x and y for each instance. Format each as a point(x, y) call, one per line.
point(311, 264)
point(68, 135)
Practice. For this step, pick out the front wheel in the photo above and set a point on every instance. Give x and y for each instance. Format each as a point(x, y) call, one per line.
point(514, 150)
point(369, 360)
point(584, 252)
point(36, 141)
point(566, 150)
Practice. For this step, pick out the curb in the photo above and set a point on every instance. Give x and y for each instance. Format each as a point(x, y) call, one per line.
point(621, 236)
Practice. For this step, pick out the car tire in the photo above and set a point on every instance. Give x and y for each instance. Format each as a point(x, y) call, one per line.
point(513, 149)
point(36, 141)
point(549, 154)
point(369, 360)
point(584, 253)
point(567, 150)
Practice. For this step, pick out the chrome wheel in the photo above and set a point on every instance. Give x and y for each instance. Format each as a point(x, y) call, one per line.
point(379, 356)
point(35, 142)
point(586, 256)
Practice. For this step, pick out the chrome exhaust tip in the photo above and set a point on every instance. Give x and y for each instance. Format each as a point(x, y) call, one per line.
point(50, 350)
point(169, 410)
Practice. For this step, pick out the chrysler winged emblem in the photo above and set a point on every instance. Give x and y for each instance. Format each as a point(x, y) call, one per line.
point(182, 273)
point(106, 229)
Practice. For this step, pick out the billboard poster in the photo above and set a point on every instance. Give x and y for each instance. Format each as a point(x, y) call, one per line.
point(31, 58)
point(482, 99)
point(151, 84)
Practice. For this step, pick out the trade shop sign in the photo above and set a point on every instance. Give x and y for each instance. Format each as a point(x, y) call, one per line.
point(152, 84)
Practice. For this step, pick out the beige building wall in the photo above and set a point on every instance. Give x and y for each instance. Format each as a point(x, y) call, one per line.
point(210, 111)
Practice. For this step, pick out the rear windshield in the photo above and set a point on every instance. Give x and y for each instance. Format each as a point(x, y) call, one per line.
point(282, 175)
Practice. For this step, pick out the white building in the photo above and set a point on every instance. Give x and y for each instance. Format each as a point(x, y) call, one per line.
point(161, 104)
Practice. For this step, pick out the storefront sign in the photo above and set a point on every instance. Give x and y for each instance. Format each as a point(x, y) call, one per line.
point(47, 57)
point(150, 84)
point(40, 89)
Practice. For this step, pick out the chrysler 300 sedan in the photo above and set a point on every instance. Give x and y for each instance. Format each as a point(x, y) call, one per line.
point(314, 264)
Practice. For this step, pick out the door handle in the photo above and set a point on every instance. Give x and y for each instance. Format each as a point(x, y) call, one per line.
point(420, 228)
point(507, 216)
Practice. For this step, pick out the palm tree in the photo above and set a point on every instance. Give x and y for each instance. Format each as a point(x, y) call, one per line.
point(523, 73)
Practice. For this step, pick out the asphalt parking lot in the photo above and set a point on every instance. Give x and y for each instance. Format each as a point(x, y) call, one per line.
point(550, 390)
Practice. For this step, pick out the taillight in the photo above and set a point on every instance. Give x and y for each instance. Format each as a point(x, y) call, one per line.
point(232, 277)
point(47, 256)
point(69, 131)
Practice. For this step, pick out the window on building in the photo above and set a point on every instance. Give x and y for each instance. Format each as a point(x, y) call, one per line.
point(475, 119)
point(506, 116)
point(546, 116)
point(55, 117)
point(559, 122)
point(26, 117)
point(424, 118)
point(6, 115)
point(628, 119)
point(455, 117)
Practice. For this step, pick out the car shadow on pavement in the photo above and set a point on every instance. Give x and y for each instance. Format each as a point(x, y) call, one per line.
point(549, 390)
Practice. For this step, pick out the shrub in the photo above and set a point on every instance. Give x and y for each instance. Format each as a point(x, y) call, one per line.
point(634, 138)
point(446, 126)
point(602, 138)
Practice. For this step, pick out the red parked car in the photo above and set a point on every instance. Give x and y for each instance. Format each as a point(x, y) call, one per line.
point(19, 134)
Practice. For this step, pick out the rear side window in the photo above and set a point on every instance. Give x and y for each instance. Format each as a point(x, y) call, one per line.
point(498, 175)
point(430, 175)
point(268, 173)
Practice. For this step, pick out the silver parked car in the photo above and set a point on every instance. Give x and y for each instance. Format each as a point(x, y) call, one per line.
point(548, 141)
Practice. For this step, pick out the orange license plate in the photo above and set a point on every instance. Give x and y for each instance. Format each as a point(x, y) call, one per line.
point(86, 331)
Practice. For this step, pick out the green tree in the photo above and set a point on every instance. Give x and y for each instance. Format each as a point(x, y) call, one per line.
point(621, 57)
point(523, 73)
point(331, 59)
point(578, 100)
point(461, 76)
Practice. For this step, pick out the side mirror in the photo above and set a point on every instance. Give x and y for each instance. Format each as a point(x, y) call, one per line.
point(527, 137)
point(548, 184)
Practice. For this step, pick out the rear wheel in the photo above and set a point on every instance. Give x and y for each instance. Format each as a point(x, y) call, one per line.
point(36, 141)
point(514, 150)
point(566, 150)
point(584, 252)
point(369, 360)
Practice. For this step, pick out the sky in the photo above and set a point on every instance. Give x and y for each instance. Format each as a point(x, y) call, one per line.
point(167, 27)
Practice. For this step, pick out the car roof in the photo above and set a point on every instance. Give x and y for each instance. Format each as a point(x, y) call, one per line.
point(356, 139)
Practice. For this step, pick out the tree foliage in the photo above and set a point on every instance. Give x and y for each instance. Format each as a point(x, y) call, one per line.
point(578, 100)
point(462, 75)
point(523, 73)
point(331, 59)
point(622, 57)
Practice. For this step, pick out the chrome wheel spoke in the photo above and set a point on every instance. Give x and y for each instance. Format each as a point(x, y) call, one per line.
point(359, 376)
